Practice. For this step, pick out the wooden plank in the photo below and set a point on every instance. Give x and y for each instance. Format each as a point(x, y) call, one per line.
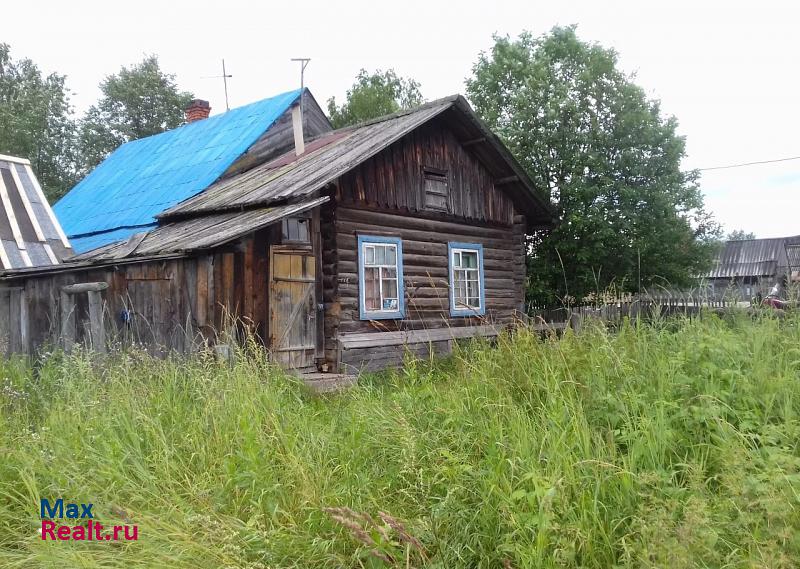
point(5, 321)
point(212, 308)
point(84, 287)
point(376, 339)
point(24, 324)
point(248, 283)
point(201, 307)
point(67, 320)
point(473, 141)
point(316, 244)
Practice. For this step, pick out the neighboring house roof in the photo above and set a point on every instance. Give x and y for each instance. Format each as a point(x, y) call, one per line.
point(143, 177)
point(333, 154)
point(752, 258)
point(30, 235)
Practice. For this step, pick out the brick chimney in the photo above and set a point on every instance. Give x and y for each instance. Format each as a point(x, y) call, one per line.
point(197, 110)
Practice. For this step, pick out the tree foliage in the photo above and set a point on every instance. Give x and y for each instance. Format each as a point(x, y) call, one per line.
point(608, 159)
point(374, 95)
point(138, 101)
point(36, 122)
point(740, 235)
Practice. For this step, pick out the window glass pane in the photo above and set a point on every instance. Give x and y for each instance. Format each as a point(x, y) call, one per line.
point(370, 255)
point(470, 259)
point(457, 260)
point(460, 286)
point(472, 292)
point(380, 255)
point(371, 289)
point(390, 288)
point(391, 255)
point(390, 272)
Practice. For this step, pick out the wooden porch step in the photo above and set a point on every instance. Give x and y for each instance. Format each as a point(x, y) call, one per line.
point(328, 382)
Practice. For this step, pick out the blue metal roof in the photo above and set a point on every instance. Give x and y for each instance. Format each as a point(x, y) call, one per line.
point(141, 178)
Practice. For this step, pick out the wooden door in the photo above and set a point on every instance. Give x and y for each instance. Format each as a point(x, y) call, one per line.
point(293, 329)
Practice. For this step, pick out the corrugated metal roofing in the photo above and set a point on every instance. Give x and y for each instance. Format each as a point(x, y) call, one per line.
point(29, 232)
point(144, 177)
point(337, 153)
point(752, 258)
point(197, 233)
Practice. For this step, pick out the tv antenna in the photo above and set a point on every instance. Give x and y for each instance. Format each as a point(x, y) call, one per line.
point(303, 63)
point(224, 78)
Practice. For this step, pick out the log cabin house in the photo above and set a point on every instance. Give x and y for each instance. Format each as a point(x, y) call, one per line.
point(340, 254)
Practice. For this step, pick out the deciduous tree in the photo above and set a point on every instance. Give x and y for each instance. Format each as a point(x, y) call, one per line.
point(138, 101)
point(740, 235)
point(36, 122)
point(374, 95)
point(607, 157)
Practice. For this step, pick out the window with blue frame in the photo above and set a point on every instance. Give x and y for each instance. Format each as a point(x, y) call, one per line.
point(467, 297)
point(380, 277)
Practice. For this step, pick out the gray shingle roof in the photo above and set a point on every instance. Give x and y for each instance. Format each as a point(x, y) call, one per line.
point(752, 258)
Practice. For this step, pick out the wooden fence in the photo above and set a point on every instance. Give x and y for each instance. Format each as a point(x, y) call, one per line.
point(614, 312)
point(13, 320)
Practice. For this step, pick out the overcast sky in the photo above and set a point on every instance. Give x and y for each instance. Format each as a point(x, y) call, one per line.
point(727, 70)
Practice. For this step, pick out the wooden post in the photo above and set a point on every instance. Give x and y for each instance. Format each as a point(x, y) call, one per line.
point(67, 321)
point(15, 322)
point(575, 322)
point(23, 321)
point(98, 330)
point(316, 244)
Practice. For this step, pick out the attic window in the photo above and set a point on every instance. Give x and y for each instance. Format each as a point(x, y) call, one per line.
point(295, 230)
point(436, 191)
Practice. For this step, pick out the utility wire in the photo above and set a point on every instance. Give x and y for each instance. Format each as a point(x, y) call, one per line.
point(749, 163)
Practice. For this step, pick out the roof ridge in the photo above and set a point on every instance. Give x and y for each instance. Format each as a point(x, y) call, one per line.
point(213, 118)
point(450, 99)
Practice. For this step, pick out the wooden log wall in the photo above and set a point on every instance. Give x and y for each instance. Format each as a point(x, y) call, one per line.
point(385, 196)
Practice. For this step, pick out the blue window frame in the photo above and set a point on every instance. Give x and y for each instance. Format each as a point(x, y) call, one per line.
point(380, 278)
point(467, 294)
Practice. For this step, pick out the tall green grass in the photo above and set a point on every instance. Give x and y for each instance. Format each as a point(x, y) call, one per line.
point(672, 445)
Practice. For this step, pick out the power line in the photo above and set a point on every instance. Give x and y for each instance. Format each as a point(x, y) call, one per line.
point(749, 163)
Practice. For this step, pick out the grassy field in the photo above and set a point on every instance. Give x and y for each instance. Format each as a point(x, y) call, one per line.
point(672, 445)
